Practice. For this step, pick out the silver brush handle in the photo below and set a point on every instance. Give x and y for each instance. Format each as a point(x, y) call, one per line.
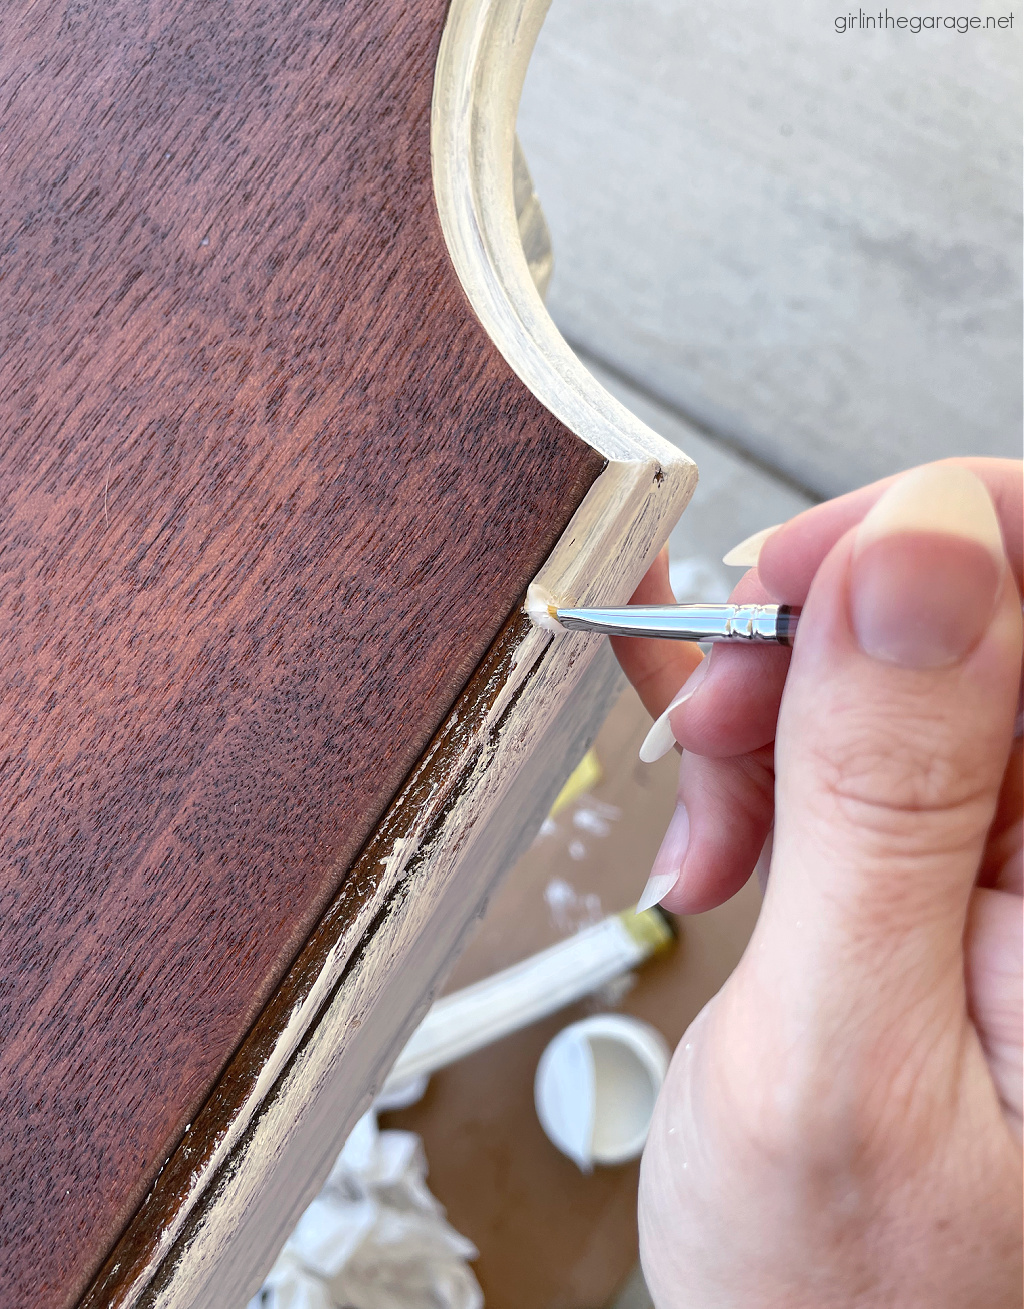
point(758, 624)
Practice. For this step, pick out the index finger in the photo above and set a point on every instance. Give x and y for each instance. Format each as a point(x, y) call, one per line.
point(790, 557)
point(738, 702)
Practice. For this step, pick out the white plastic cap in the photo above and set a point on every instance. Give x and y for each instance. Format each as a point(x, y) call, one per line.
point(596, 1085)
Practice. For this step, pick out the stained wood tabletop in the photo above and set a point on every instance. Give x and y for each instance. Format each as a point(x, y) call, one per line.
point(267, 492)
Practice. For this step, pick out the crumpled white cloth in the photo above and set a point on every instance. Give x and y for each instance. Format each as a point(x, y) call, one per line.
point(375, 1237)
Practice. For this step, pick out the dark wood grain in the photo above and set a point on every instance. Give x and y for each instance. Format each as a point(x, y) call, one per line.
point(267, 493)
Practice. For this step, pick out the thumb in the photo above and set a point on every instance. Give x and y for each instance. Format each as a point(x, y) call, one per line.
point(893, 737)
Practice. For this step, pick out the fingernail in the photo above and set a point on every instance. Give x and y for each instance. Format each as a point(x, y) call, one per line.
point(668, 861)
point(747, 553)
point(927, 567)
point(660, 739)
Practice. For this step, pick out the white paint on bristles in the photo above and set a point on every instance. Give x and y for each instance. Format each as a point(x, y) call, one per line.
point(540, 606)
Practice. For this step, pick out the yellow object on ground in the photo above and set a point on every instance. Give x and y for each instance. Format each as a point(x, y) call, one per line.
point(649, 929)
point(587, 773)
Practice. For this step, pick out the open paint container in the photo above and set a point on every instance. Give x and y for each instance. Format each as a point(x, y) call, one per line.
point(596, 1085)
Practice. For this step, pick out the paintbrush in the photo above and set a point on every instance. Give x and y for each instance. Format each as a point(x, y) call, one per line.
point(752, 623)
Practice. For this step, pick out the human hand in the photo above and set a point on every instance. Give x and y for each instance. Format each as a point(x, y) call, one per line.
point(841, 1125)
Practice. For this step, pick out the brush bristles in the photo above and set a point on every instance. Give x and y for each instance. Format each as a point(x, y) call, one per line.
point(540, 607)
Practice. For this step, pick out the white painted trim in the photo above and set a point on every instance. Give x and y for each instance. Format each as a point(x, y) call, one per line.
point(481, 65)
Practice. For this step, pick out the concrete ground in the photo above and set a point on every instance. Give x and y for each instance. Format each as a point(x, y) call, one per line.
point(808, 242)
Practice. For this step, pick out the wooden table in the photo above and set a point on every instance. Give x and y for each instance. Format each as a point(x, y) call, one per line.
point(286, 436)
